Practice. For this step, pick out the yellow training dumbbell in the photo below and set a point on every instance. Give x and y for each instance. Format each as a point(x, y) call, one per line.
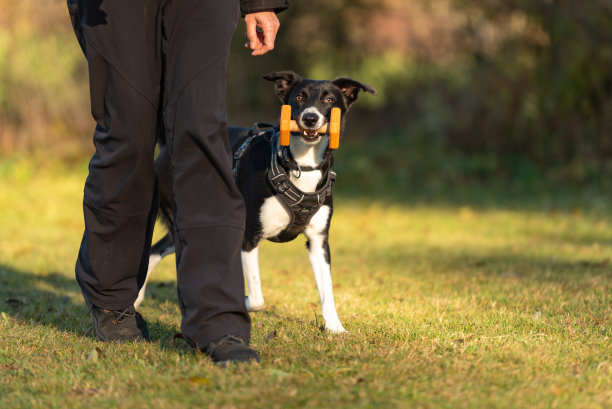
point(332, 128)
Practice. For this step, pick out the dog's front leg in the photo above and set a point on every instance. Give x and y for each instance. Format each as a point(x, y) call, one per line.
point(317, 234)
point(250, 267)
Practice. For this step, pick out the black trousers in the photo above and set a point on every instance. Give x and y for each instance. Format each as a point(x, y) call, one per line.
point(158, 68)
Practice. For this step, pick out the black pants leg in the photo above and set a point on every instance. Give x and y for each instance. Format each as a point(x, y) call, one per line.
point(152, 63)
point(209, 209)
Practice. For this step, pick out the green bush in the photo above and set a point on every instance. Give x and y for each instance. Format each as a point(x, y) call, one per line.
point(515, 89)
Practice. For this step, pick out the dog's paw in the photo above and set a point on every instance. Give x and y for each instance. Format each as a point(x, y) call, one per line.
point(335, 328)
point(253, 306)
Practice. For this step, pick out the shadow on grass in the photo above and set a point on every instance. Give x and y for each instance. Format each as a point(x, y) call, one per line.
point(54, 299)
point(49, 300)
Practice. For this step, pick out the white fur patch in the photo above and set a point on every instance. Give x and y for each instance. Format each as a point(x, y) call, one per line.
point(307, 182)
point(274, 217)
point(307, 154)
point(154, 260)
point(318, 222)
point(250, 267)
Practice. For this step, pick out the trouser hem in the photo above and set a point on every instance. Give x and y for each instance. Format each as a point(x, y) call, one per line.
point(114, 306)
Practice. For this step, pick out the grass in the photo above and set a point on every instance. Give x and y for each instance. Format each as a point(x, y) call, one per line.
point(447, 304)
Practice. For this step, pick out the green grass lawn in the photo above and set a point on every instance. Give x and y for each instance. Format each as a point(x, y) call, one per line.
point(448, 304)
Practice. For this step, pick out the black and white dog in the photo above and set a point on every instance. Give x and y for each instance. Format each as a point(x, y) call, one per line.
point(287, 190)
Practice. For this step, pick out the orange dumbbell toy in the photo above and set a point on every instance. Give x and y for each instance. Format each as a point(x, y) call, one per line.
point(332, 128)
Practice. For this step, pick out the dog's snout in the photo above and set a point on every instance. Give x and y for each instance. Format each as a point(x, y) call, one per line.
point(310, 119)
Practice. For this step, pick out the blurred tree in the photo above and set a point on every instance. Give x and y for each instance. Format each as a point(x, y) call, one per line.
point(545, 89)
point(44, 103)
point(517, 88)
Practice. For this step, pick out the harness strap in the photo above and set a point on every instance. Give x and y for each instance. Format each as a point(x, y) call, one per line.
point(302, 206)
point(289, 162)
point(256, 131)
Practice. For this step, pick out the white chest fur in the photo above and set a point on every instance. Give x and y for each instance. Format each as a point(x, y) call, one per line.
point(308, 181)
point(274, 215)
point(307, 155)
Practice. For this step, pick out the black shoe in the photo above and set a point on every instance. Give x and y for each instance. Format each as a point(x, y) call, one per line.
point(121, 325)
point(229, 349)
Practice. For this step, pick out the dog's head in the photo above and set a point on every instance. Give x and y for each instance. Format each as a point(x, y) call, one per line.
point(312, 101)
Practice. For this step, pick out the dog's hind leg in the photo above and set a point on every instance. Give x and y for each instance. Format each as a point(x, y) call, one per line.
point(250, 267)
point(159, 250)
point(317, 234)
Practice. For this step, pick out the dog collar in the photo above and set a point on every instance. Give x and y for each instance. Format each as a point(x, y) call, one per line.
point(288, 162)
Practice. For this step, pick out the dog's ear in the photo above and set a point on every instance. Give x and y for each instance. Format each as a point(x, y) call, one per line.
point(350, 88)
point(283, 82)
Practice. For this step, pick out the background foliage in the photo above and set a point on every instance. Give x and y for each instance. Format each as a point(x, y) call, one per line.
point(517, 90)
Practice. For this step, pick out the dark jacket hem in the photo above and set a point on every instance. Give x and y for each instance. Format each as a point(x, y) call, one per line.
point(253, 6)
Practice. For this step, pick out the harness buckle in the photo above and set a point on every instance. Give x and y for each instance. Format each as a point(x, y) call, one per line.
point(282, 187)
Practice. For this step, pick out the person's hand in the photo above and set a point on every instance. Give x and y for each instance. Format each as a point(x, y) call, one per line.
point(261, 31)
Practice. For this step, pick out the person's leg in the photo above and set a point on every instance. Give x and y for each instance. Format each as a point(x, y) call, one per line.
point(209, 210)
point(122, 42)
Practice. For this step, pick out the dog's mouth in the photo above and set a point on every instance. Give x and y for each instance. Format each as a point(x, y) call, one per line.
point(310, 135)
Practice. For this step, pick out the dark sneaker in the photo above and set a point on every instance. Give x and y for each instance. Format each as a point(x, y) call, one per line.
point(229, 349)
point(125, 325)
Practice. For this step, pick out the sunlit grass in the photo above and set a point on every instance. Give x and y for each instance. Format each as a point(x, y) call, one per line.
point(447, 306)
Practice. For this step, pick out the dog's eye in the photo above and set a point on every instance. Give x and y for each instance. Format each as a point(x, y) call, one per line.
point(299, 98)
point(328, 100)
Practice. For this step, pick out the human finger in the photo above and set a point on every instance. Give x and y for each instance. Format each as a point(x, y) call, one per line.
point(269, 25)
point(251, 27)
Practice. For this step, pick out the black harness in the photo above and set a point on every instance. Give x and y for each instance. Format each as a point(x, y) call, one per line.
point(302, 206)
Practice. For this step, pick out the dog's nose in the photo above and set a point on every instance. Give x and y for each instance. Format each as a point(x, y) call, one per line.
point(310, 119)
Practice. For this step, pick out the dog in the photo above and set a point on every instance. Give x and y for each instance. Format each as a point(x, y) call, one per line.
point(287, 190)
